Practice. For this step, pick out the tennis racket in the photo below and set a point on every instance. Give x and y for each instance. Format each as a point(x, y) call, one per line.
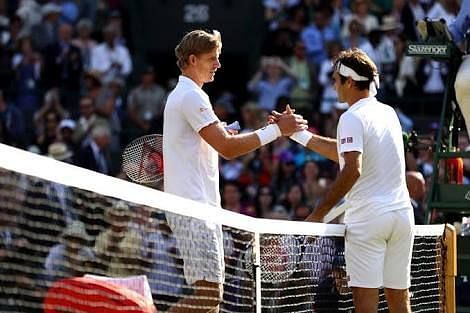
point(142, 159)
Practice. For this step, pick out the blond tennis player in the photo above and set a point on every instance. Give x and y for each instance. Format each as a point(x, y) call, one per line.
point(193, 138)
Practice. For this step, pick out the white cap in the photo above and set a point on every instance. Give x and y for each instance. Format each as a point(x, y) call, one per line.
point(67, 123)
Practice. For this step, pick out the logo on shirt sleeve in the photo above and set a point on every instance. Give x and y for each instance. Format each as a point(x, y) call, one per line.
point(202, 109)
point(347, 140)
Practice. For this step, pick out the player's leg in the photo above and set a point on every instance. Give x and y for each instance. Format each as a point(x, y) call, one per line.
point(200, 244)
point(365, 299)
point(365, 246)
point(205, 299)
point(397, 265)
point(398, 300)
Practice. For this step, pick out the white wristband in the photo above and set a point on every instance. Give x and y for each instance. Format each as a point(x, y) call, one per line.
point(302, 137)
point(268, 133)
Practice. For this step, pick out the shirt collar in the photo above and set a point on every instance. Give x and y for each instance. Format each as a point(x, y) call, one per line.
point(186, 80)
point(361, 102)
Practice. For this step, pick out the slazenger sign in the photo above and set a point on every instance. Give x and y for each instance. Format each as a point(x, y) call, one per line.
point(432, 50)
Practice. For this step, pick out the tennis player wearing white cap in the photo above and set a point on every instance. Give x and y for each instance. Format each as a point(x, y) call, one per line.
point(379, 217)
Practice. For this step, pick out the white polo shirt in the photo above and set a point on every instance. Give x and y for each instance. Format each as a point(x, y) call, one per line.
point(191, 165)
point(372, 128)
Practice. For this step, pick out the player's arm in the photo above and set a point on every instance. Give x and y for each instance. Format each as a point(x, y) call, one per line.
point(321, 145)
point(232, 146)
point(346, 179)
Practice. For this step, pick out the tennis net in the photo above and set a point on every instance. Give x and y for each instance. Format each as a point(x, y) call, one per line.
point(59, 222)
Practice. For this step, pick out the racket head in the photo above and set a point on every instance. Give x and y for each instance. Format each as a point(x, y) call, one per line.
point(142, 159)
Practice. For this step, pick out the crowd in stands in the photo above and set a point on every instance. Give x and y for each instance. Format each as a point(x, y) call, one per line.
point(66, 87)
point(66, 92)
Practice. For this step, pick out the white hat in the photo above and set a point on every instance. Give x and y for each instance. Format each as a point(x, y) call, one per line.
point(120, 208)
point(59, 151)
point(67, 123)
point(50, 8)
point(390, 22)
point(76, 230)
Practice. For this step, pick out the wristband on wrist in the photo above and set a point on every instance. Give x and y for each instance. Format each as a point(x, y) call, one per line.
point(268, 133)
point(302, 137)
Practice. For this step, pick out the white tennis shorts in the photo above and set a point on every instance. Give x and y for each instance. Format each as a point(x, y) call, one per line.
point(378, 251)
point(201, 247)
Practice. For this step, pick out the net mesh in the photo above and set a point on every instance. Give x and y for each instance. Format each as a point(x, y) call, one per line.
point(59, 223)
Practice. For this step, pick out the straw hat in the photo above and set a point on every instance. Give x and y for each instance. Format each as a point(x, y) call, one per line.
point(389, 22)
point(76, 230)
point(120, 208)
point(50, 8)
point(59, 151)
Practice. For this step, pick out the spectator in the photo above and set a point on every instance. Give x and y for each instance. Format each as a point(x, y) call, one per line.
point(109, 59)
point(272, 80)
point(295, 203)
point(302, 93)
point(94, 155)
point(87, 120)
point(360, 12)
point(417, 189)
point(317, 34)
point(45, 33)
point(13, 123)
point(145, 105)
point(65, 129)
point(119, 249)
point(63, 67)
point(71, 256)
point(311, 185)
point(84, 42)
point(27, 64)
point(232, 199)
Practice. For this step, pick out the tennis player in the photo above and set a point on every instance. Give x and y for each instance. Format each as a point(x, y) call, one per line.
point(379, 217)
point(193, 138)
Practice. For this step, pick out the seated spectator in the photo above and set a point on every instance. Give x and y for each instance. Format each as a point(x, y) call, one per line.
point(417, 189)
point(65, 130)
point(232, 199)
point(63, 67)
point(119, 249)
point(72, 256)
point(272, 80)
point(86, 121)
point(110, 59)
point(360, 12)
point(94, 155)
point(311, 185)
point(84, 42)
point(27, 65)
point(45, 33)
point(13, 123)
point(145, 105)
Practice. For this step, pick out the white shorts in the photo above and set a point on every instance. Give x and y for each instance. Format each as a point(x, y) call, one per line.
point(378, 251)
point(200, 244)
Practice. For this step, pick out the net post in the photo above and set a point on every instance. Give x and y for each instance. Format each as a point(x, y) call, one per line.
point(450, 271)
point(257, 269)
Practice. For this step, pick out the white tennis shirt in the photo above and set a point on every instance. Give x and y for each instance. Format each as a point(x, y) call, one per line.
point(191, 165)
point(372, 128)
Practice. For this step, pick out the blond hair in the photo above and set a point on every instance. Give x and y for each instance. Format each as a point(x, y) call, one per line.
point(196, 42)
